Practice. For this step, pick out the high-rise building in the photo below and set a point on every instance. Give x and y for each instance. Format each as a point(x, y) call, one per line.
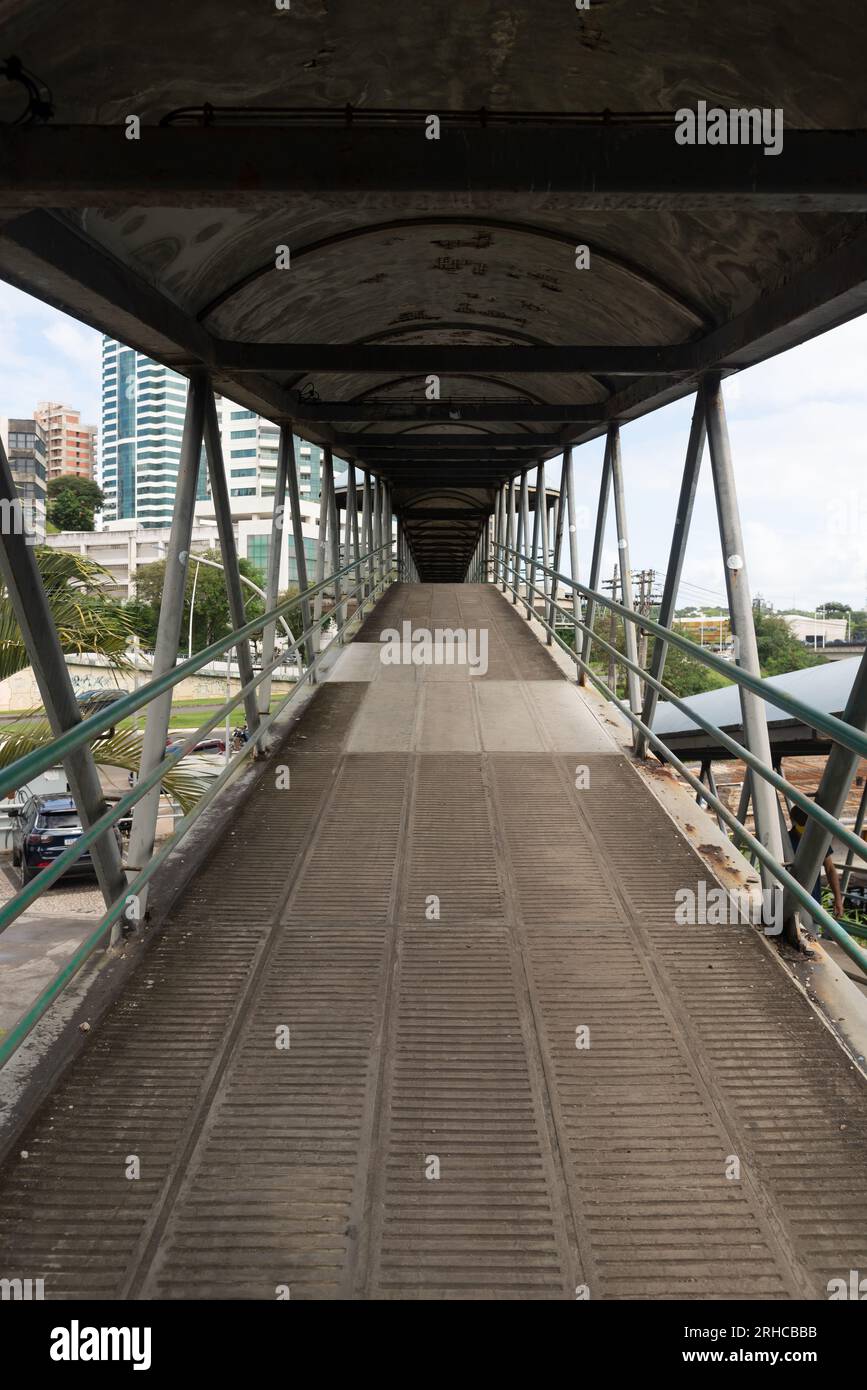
point(143, 408)
point(142, 425)
point(71, 445)
point(24, 443)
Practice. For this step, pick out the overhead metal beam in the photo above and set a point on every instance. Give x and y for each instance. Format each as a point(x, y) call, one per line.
point(446, 359)
point(446, 412)
point(483, 442)
point(600, 167)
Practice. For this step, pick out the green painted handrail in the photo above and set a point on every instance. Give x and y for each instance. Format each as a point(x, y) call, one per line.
point(836, 729)
point(818, 813)
point(21, 771)
point(119, 907)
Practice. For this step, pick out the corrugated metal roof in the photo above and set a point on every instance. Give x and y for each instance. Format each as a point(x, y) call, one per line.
point(826, 688)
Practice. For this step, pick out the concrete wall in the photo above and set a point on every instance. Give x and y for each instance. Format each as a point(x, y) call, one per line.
point(20, 692)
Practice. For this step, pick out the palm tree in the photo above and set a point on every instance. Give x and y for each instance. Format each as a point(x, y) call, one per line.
point(86, 621)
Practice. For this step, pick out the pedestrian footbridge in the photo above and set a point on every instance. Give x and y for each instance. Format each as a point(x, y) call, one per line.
point(403, 1007)
point(423, 1025)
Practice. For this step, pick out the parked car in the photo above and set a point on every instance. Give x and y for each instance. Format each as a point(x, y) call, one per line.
point(45, 826)
point(51, 782)
point(93, 701)
point(216, 746)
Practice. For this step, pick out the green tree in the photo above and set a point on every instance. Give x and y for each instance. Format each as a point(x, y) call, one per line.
point(72, 502)
point(142, 619)
point(779, 649)
point(211, 619)
point(85, 618)
point(86, 621)
point(834, 609)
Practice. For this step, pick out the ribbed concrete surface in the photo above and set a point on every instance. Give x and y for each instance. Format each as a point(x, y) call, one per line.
point(430, 916)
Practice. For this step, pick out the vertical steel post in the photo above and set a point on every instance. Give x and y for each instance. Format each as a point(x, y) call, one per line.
point(558, 541)
point(537, 515)
point(569, 473)
point(840, 768)
point(504, 533)
point(376, 505)
point(226, 534)
point(347, 534)
point(288, 444)
point(144, 819)
point(334, 537)
point(525, 534)
point(598, 542)
point(285, 460)
point(321, 550)
point(740, 607)
point(26, 591)
point(857, 829)
point(544, 554)
point(519, 535)
point(683, 517)
point(352, 503)
point(511, 525)
point(386, 529)
point(629, 631)
point(366, 532)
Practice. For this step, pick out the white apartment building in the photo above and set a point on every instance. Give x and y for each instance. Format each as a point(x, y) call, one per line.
point(125, 546)
point(143, 406)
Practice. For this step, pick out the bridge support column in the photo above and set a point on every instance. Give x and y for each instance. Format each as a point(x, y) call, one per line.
point(598, 541)
point(144, 819)
point(272, 579)
point(321, 548)
point(352, 504)
point(840, 769)
point(339, 609)
point(505, 535)
point(534, 548)
point(544, 552)
point(287, 444)
point(366, 532)
point(525, 533)
point(376, 517)
point(223, 511)
point(386, 528)
point(630, 642)
point(559, 516)
point(682, 519)
point(33, 615)
point(755, 723)
point(572, 515)
point(509, 572)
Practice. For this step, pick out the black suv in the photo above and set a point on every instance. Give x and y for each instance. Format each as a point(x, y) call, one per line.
point(44, 827)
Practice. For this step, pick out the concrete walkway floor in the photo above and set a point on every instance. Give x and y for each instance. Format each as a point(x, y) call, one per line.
point(425, 1026)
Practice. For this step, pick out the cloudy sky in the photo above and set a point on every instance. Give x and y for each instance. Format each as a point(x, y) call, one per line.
point(798, 427)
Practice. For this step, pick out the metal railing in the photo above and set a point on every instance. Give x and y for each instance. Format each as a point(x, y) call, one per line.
point(513, 568)
point(380, 571)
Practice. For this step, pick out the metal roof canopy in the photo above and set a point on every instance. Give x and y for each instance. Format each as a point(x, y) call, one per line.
point(454, 257)
point(826, 688)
